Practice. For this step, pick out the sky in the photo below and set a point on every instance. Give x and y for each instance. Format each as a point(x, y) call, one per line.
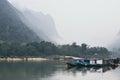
point(94, 22)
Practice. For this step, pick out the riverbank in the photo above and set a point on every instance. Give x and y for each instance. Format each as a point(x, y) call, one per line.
point(23, 59)
point(55, 57)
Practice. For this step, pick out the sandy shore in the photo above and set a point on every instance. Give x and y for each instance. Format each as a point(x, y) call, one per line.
point(23, 59)
point(36, 59)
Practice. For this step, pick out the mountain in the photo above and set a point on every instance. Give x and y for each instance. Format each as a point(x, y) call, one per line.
point(116, 42)
point(25, 26)
point(43, 25)
point(12, 28)
point(115, 46)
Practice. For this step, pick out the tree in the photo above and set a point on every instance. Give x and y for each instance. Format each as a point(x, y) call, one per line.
point(84, 49)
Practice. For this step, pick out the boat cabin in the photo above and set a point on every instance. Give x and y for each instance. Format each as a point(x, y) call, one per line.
point(94, 62)
point(89, 61)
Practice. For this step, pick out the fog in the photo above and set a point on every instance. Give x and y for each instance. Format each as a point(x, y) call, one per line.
point(42, 24)
point(95, 22)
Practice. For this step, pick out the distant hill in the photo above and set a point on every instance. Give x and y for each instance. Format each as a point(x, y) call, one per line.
point(25, 26)
point(12, 28)
point(115, 46)
point(43, 25)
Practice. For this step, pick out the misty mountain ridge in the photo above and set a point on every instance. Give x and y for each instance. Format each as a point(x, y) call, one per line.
point(12, 28)
point(115, 46)
point(43, 25)
point(24, 26)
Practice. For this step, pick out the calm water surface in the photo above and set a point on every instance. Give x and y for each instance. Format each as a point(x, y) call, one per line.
point(54, 70)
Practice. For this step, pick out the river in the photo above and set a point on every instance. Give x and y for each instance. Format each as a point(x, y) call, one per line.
point(54, 70)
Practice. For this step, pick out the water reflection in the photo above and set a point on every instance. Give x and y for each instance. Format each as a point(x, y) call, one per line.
point(84, 70)
point(53, 70)
point(27, 70)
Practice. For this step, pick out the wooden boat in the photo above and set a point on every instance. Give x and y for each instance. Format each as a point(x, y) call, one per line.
point(90, 63)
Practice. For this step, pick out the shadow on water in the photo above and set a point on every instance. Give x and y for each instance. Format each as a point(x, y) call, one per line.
point(84, 70)
point(46, 70)
point(27, 70)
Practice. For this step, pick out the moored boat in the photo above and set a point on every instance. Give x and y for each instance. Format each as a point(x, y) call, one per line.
point(94, 62)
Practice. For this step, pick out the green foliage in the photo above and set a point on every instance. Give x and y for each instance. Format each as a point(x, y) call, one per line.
point(83, 51)
point(42, 49)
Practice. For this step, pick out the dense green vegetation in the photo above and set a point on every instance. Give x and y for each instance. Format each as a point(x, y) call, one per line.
point(43, 49)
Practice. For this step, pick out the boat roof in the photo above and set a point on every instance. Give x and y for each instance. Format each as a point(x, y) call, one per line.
point(77, 58)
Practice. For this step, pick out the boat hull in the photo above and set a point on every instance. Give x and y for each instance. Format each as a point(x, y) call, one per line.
point(89, 65)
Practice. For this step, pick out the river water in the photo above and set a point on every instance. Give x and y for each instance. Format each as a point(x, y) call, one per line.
point(54, 70)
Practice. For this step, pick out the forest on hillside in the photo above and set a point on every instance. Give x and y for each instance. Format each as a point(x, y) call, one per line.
point(44, 49)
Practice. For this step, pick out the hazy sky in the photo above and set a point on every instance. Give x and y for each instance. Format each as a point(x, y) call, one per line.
point(95, 22)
